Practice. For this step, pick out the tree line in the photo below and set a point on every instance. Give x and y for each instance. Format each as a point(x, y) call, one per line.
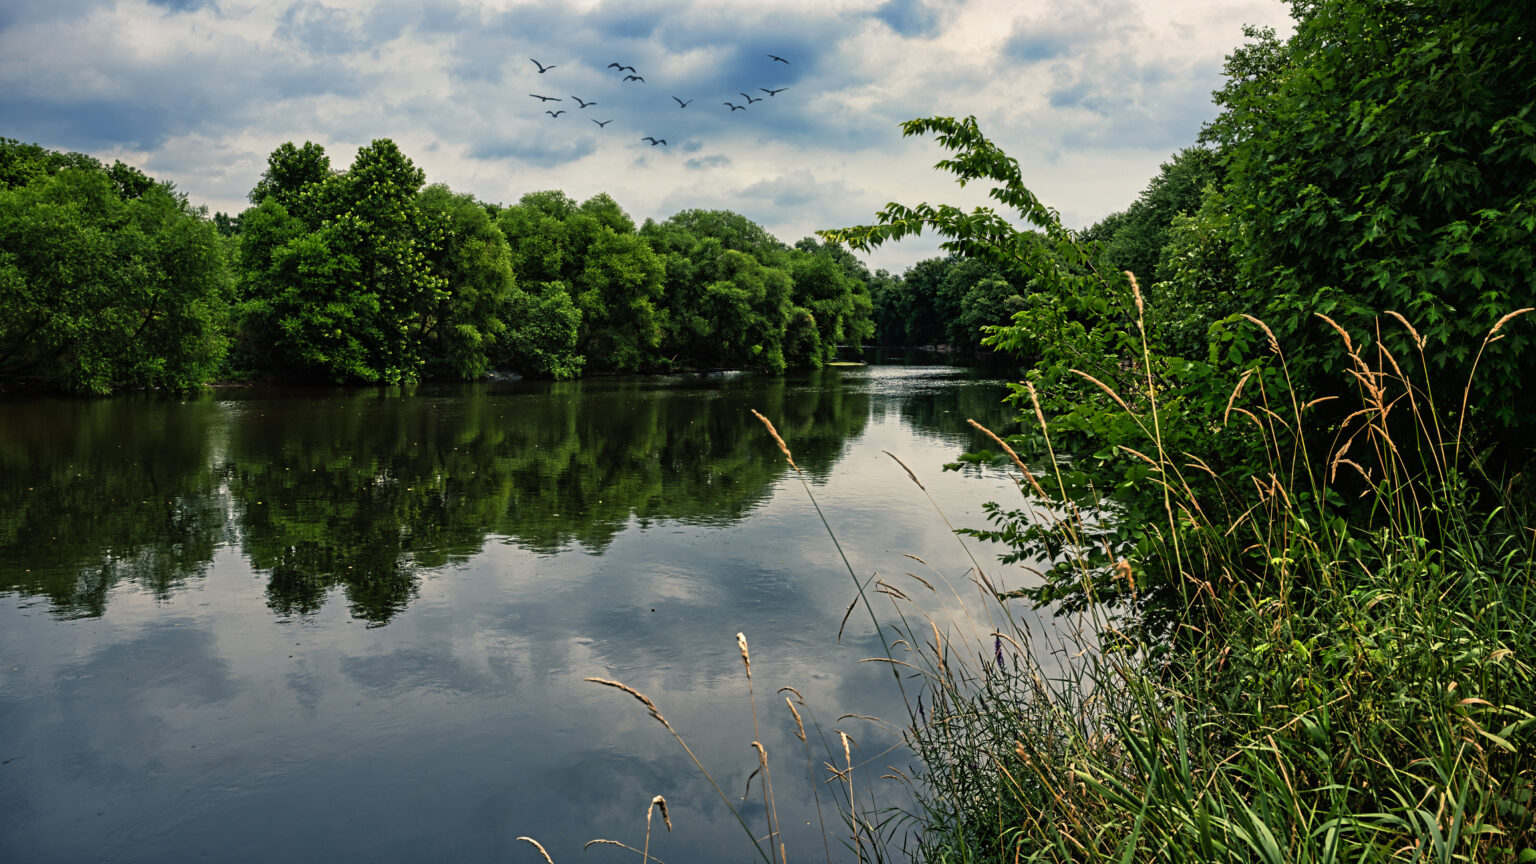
point(111, 279)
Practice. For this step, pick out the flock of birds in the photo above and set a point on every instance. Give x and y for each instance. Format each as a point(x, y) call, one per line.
point(635, 76)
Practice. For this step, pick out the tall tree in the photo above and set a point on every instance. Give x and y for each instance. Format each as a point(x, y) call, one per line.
point(107, 282)
point(592, 253)
point(340, 285)
point(1380, 161)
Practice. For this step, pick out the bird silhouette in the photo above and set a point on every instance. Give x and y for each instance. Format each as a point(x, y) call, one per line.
point(621, 68)
point(735, 107)
point(654, 141)
point(634, 78)
point(542, 67)
point(681, 103)
point(749, 99)
point(773, 92)
point(581, 103)
point(780, 59)
point(602, 123)
point(547, 98)
point(555, 113)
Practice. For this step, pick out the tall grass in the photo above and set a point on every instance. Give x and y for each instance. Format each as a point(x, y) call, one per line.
point(1349, 678)
point(1348, 675)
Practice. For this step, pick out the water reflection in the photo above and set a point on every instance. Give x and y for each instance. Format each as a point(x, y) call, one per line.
point(516, 538)
point(97, 492)
point(366, 490)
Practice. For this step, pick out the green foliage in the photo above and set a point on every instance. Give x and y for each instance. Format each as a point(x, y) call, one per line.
point(291, 171)
point(611, 274)
point(1197, 275)
point(1383, 159)
point(340, 287)
point(727, 297)
point(107, 282)
point(542, 336)
point(462, 335)
point(1335, 689)
point(1134, 239)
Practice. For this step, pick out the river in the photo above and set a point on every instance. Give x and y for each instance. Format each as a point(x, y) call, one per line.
point(340, 624)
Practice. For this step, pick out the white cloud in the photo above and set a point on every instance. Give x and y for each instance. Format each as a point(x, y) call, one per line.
point(1090, 96)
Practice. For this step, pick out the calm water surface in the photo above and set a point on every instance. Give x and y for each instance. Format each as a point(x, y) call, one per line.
point(334, 625)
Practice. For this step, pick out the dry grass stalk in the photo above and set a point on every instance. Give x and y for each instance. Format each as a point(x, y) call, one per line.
point(1141, 309)
point(1418, 340)
point(926, 583)
point(1233, 398)
point(658, 803)
point(788, 457)
point(1349, 344)
point(1123, 571)
point(799, 724)
point(539, 846)
point(1274, 344)
point(644, 699)
point(1467, 391)
point(1012, 455)
point(1105, 387)
point(906, 469)
point(746, 657)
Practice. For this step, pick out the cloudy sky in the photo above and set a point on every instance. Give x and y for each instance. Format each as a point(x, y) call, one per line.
point(1089, 95)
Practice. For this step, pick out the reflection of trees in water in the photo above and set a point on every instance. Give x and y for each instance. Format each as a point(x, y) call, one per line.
point(940, 409)
point(367, 490)
point(103, 491)
point(363, 491)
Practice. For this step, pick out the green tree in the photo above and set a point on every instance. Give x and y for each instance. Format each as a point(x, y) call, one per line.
point(340, 285)
point(471, 255)
point(102, 291)
point(1380, 160)
point(291, 173)
point(1134, 238)
point(727, 300)
point(592, 253)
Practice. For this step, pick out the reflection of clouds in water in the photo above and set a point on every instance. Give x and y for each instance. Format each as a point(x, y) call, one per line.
point(468, 712)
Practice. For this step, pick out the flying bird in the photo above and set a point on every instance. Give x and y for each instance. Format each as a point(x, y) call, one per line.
point(735, 107)
point(555, 113)
point(583, 104)
point(654, 141)
point(547, 98)
point(681, 103)
point(773, 92)
point(621, 68)
point(780, 59)
point(749, 99)
point(542, 67)
point(634, 78)
point(602, 123)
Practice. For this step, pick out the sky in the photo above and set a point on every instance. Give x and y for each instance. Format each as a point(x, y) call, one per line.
point(1090, 96)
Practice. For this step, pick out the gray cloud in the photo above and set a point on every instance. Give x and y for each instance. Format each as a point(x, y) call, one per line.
point(718, 160)
point(911, 18)
point(320, 28)
point(180, 5)
point(202, 97)
point(1068, 30)
point(542, 152)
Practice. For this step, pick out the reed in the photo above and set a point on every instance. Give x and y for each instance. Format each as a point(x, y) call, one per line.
point(1329, 658)
point(1348, 678)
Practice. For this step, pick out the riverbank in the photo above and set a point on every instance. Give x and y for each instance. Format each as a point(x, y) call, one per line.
point(1282, 672)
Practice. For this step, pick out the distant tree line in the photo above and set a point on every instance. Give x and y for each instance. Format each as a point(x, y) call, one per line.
point(111, 279)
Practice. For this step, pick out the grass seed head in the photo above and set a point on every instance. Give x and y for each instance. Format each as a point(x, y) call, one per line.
point(539, 846)
point(659, 803)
